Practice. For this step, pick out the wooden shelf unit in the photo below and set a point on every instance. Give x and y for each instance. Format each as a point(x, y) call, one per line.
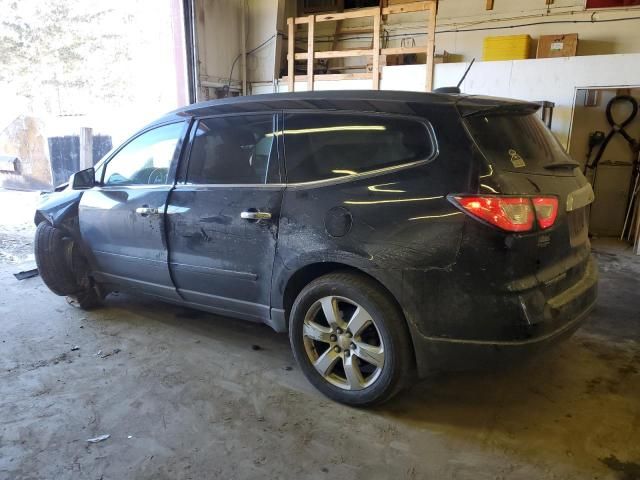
point(376, 14)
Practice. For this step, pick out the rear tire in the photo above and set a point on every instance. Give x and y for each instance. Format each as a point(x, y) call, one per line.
point(363, 355)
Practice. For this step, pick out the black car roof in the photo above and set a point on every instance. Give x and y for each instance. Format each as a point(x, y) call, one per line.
point(359, 100)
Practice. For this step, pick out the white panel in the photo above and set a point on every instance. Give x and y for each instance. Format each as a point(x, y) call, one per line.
point(472, 9)
point(403, 77)
point(218, 30)
point(261, 23)
point(491, 78)
point(552, 79)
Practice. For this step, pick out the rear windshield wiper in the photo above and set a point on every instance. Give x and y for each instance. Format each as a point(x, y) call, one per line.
point(565, 164)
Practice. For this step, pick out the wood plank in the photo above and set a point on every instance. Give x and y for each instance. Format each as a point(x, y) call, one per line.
point(343, 76)
point(428, 6)
point(407, 8)
point(431, 46)
point(310, 53)
point(335, 42)
point(334, 77)
point(404, 50)
point(356, 13)
point(375, 70)
point(348, 67)
point(353, 31)
point(291, 42)
point(86, 148)
point(338, 54)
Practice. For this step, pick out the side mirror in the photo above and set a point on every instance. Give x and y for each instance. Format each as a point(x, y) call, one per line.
point(83, 179)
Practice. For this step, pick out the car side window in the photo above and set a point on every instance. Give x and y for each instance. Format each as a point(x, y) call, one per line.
point(234, 150)
point(320, 146)
point(146, 159)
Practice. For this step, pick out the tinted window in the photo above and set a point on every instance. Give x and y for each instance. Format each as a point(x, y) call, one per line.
point(321, 146)
point(146, 159)
point(238, 149)
point(519, 143)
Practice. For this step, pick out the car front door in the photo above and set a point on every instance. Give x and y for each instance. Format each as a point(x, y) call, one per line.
point(122, 219)
point(223, 216)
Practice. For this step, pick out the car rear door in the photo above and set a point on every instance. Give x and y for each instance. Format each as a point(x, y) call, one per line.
point(223, 215)
point(122, 219)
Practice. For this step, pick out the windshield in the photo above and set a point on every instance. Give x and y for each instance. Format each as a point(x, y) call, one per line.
point(518, 143)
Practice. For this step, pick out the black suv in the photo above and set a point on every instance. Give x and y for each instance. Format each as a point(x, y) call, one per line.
point(390, 233)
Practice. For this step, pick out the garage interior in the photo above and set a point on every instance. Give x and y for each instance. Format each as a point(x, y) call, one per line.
point(178, 393)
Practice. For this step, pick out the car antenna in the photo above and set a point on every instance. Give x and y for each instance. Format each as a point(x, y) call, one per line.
point(456, 89)
point(466, 72)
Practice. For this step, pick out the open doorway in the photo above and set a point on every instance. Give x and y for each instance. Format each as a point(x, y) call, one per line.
point(605, 139)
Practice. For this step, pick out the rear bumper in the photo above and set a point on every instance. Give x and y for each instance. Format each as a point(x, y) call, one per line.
point(563, 315)
point(439, 354)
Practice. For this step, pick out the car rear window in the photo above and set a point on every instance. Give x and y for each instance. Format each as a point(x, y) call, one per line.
point(517, 142)
point(322, 146)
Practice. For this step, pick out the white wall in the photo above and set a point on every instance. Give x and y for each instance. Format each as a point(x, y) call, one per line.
point(552, 79)
point(457, 15)
point(262, 18)
point(219, 40)
point(218, 30)
point(218, 23)
point(218, 27)
point(595, 38)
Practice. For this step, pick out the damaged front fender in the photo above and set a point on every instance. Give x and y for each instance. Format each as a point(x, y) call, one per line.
point(60, 209)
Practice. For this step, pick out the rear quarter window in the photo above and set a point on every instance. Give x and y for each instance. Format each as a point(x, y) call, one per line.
point(320, 146)
point(517, 142)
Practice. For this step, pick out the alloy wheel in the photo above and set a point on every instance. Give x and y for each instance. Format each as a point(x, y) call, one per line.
point(343, 343)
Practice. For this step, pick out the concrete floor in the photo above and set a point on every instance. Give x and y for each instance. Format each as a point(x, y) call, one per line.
point(182, 394)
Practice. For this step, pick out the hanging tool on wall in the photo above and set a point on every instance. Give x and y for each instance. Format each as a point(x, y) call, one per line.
point(616, 128)
point(595, 138)
point(599, 139)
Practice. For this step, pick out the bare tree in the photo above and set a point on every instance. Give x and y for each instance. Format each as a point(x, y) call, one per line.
point(64, 54)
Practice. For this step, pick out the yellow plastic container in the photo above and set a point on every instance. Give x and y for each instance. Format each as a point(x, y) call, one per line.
point(510, 47)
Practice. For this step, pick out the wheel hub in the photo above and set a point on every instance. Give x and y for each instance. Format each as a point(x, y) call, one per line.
point(344, 341)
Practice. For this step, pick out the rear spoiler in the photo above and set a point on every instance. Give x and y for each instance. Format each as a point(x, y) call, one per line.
point(470, 106)
point(514, 109)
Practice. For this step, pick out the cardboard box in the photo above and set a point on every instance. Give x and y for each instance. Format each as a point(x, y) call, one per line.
point(413, 59)
point(550, 46)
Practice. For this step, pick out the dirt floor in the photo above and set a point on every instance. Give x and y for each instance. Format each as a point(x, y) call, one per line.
point(186, 395)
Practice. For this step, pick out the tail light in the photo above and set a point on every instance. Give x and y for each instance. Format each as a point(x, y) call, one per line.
point(546, 211)
point(511, 214)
